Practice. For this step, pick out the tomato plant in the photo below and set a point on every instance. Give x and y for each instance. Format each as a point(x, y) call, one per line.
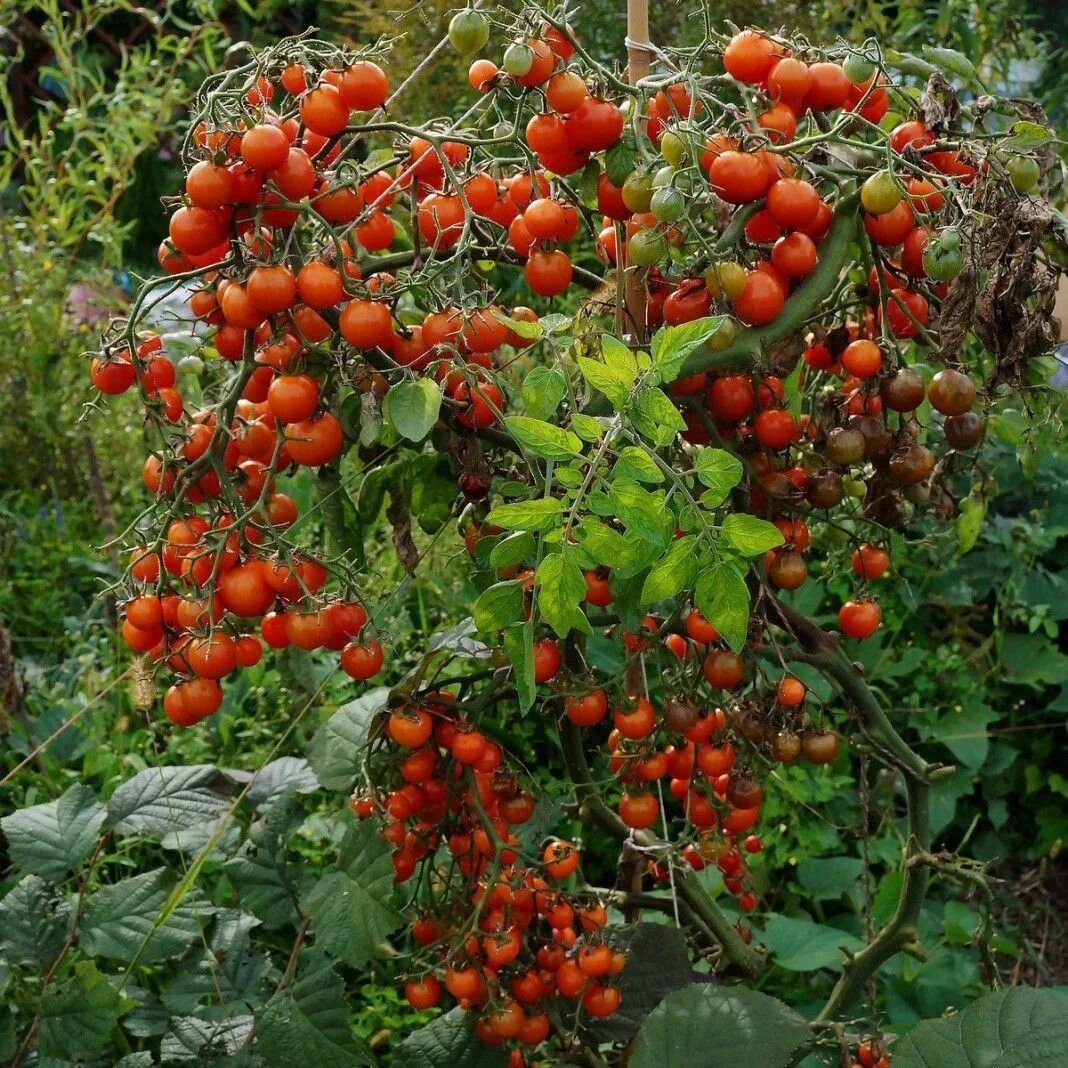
point(779, 257)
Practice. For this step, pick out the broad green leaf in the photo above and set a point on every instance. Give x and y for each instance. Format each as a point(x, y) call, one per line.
point(637, 465)
point(460, 640)
point(78, 1015)
point(970, 522)
point(605, 545)
point(1014, 1027)
point(123, 920)
point(543, 439)
point(195, 1040)
point(519, 645)
point(617, 355)
point(964, 732)
point(267, 883)
point(53, 839)
point(512, 550)
point(448, 1042)
point(499, 606)
point(619, 161)
point(541, 514)
point(351, 907)
point(642, 512)
point(335, 750)
point(561, 589)
point(34, 920)
point(658, 963)
point(672, 346)
point(950, 61)
point(720, 471)
point(720, 1027)
point(308, 1023)
point(749, 535)
point(274, 780)
point(1025, 137)
point(520, 327)
point(169, 798)
point(614, 382)
point(803, 946)
point(911, 65)
point(543, 390)
point(828, 878)
point(674, 572)
point(587, 427)
point(412, 407)
point(655, 417)
point(722, 597)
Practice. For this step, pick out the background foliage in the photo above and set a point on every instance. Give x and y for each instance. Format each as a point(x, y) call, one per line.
point(103, 822)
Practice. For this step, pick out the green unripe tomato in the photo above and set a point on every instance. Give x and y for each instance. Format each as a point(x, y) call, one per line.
point(854, 487)
point(858, 68)
point(725, 280)
point(949, 238)
point(665, 176)
point(1024, 173)
point(646, 248)
point(940, 262)
point(469, 31)
point(192, 364)
point(724, 336)
point(518, 59)
point(673, 148)
point(667, 205)
point(880, 193)
point(638, 191)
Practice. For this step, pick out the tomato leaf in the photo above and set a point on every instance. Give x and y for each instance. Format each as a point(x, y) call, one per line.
point(537, 515)
point(543, 439)
point(720, 471)
point(412, 407)
point(674, 572)
point(672, 346)
point(749, 535)
point(722, 597)
point(561, 589)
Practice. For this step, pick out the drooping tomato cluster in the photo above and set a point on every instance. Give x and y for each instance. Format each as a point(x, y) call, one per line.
point(502, 935)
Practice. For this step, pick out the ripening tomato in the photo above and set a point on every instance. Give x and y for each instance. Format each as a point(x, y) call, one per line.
point(794, 255)
point(761, 299)
point(859, 619)
point(750, 56)
point(738, 177)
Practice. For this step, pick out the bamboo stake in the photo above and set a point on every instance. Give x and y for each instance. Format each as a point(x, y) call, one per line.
point(637, 68)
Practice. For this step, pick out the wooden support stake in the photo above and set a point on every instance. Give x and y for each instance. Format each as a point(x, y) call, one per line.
point(637, 68)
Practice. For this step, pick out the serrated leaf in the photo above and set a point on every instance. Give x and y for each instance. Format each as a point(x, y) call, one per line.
point(519, 645)
point(335, 750)
point(520, 327)
point(1014, 1027)
point(605, 545)
point(543, 439)
point(351, 907)
point(499, 606)
point(720, 1027)
point(412, 407)
point(561, 589)
point(619, 161)
point(309, 1022)
point(1025, 137)
point(33, 921)
point(123, 920)
point(542, 391)
point(617, 356)
point(587, 426)
point(951, 61)
point(538, 515)
point(674, 572)
point(640, 511)
point(275, 779)
point(655, 417)
point(672, 346)
point(721, 471)
point(512, 550)
point(749, 535)
point(168, 798)
point(448, 1042)
point(803, 946)
point(722, 597)
point(461, 641)
point(614, 382)
point(267, 885)
point(637, 465)
point(200, 1041)
point(52, 840)
point(78, 1015)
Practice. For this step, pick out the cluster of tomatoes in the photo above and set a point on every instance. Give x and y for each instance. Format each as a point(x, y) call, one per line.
point(503, 933)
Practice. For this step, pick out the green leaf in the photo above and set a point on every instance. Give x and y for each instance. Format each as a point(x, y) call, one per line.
point(722, 597)
point(1025, 137)
point(123, 920)
point(828, 878)
point(586, 426)
point(267, 884)
point(637, 465)
point(275, 779)
point(543, 439)
point(412, 407)
point(543, 390)
point(674, 572)
point(77, 1016)
point(499, 606)
point(308, 1023)
point(169, 798)
point(721, 471)
point(720, 1027)
point(951, 61)
point(541, 514)
point(561, 589)
point(520, 327)
point(907, 64)
point(335, 750)
point(605, 545)
point(53, 839)
point(448, 1042)
point(1014, 1027)
point(615, 382)
point(34, 921)
point(350, 908)
point(964, 732)
point(655, 417)
point(512, 550)
point(749, 535)
point(519, 645)
point(803, 946)
point(619, 160)
point(672, 346)
point(642, 512)
point(970, 523)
